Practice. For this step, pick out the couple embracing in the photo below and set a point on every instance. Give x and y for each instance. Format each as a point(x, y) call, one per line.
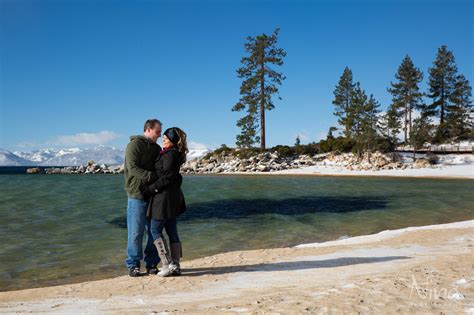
point(155, 199)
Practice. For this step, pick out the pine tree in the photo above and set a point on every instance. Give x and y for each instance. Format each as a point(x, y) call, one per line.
point(358, 107)
point(330, 131)
point(260, 83)
point(343, 102)
point(406, 95)
point(248, 136)
point(421, 132)
point(369, 122)
point(390, 124)
point(458, 118)
point(297, 141)
point(442, 84)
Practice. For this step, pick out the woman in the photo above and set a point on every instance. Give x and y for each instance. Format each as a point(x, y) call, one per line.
point(167, 202)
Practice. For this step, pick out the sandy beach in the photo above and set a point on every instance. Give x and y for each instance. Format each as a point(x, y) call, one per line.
point(465, 171)
point(413, 270)
point(439, 171)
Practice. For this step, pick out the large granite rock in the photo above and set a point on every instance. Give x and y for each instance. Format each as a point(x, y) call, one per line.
point(272, 161)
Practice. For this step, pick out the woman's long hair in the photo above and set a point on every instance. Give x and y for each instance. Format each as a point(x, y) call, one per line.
point(182, 145)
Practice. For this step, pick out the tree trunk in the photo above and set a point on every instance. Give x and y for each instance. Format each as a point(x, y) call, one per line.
point(405, 124)
point(409, 118)
point(347, 116)
point(441, 120)
point(262, 102)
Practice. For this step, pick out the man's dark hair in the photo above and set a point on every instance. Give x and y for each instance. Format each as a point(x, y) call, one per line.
point(150, 123)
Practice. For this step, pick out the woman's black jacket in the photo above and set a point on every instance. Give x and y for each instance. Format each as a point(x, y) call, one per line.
point(167, 201)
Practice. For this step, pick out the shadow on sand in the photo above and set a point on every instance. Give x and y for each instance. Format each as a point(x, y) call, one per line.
point(289, 266)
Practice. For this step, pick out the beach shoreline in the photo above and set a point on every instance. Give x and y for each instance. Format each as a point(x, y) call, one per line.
point(465, 171)
point(334, 275)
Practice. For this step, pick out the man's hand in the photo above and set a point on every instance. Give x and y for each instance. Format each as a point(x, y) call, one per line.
point(147, 191)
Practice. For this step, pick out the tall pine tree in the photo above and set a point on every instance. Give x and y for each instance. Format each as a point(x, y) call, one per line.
point(343, 102)
point(358, 108)
point(260, 83)
point(442, 84)
point(406, 95)
point(458, 120)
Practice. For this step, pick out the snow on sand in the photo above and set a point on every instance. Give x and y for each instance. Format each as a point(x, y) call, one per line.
point(443, 170)
point(449, 166)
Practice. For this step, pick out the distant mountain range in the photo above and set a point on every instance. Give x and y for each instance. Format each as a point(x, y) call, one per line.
point(75, 156)
point(8, 158)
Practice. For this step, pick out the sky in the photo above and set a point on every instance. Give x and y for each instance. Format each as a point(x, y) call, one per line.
point(86, 73)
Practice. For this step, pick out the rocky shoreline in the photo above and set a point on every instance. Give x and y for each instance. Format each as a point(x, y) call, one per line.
point(271, 162)
point(267, 162)
point(90, 168)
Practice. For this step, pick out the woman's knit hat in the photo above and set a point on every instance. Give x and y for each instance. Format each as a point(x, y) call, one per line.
point(172, 134)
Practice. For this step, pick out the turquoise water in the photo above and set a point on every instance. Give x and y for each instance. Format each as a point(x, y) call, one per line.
point(68, 228)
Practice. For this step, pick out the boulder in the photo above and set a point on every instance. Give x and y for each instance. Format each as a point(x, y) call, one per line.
point(421, 163)
point(432, 158)
point(380, 162)
point(262, 168)
point(34, 170)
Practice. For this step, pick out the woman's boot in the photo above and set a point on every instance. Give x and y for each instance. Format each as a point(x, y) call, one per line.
point(176, 254)
point(168, 265)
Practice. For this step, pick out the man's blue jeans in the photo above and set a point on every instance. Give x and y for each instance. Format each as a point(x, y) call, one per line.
point(137, 224)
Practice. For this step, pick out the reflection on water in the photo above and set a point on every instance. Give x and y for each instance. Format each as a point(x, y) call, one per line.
point(68, 228)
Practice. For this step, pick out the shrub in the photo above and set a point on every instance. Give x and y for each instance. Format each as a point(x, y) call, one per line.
point(218, 151)
point(342, 144)
point(283, 150)
point(245, 153)
point(384, 145)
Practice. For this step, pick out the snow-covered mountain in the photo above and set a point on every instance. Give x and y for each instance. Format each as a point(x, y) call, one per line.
point(44, 155)
point(196, 150)
point(197, 153)
point(76, 156)
point(8, 158)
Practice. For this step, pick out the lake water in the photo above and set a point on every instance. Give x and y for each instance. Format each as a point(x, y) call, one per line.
point(59, 229)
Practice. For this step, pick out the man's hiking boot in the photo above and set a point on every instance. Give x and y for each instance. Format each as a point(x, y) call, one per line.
point(134, 272)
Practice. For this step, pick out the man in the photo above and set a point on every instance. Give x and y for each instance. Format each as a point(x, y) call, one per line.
point(140, 157)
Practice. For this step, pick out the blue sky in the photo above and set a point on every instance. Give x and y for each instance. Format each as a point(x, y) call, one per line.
point(82, 73)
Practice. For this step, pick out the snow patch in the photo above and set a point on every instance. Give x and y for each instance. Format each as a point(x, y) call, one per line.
point(456, 296)
point(389, 234)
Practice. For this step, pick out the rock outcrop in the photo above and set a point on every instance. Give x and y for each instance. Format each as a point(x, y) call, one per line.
point(90, 168)
point(270, 162)
point(34, 170)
